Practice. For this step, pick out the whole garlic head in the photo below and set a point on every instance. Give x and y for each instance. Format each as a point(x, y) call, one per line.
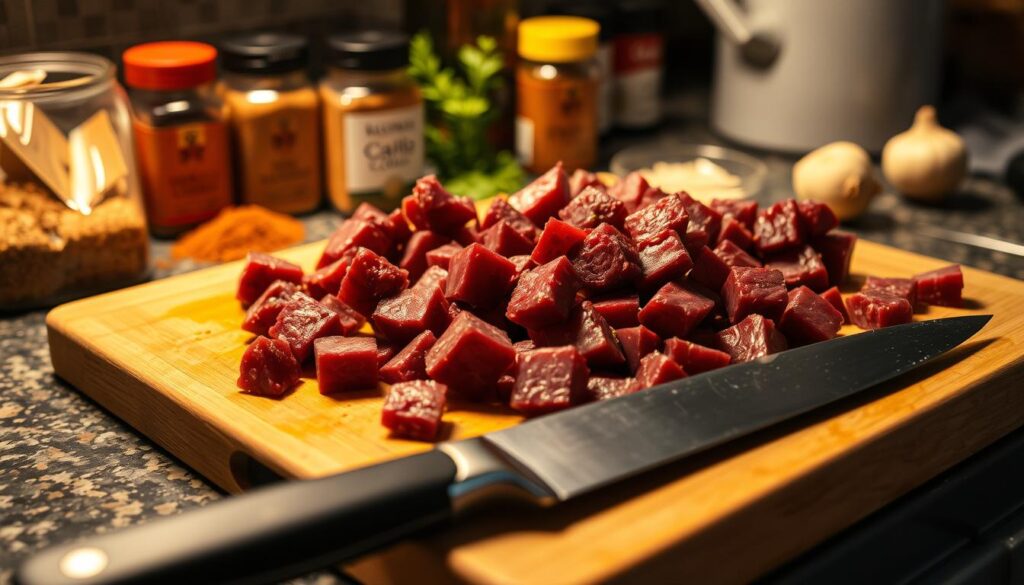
point(927, 161)
point(838, 174)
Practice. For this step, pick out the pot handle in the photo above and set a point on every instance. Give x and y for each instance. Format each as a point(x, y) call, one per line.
point(759, 49)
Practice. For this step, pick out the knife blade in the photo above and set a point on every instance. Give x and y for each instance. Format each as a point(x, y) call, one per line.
point(287, 529)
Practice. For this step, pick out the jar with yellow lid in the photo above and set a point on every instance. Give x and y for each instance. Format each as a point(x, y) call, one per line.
point(557, 85)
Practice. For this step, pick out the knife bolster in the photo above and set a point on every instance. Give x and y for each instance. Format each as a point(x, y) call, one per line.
point(486, 475)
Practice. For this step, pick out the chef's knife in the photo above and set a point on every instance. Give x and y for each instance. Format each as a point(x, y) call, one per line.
point(284, 530)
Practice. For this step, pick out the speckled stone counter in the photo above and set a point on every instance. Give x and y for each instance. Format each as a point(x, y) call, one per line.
point(68, 469)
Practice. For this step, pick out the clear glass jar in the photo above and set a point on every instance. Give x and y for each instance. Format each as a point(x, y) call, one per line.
point(71, 216)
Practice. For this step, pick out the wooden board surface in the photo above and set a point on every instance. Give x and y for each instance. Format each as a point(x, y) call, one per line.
point(164, 357)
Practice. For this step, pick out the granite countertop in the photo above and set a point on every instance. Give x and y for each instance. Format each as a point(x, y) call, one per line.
point(69, 469)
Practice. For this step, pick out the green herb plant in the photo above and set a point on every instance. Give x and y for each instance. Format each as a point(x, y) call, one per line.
point(460, 111)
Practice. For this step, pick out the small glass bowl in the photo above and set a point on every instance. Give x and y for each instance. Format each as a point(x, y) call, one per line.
point(749, 170)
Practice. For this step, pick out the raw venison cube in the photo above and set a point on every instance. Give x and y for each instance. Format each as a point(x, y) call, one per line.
point(589, 332)
point(704, 223)
point(260, 271)
point(479, 277)
point(430, 207)
point(943, 287)
point(734, 231)
point(607, 260)
point(369, 279)
point(503, 388)
point(744, 210)
point(778, 227)
point(544, 296)
point(435, 276)
point(470, 356)
point(593, 207)
point(351, 235)
point(549, 379)
point(505, 240)
point(662, 259)
point(817, 218)
point(263, 313)
point(581, 179)
point(606, 388)
point(327, 280)
point(393, 225)
point(754, 290)
point(753, 337)
point(636, 343)
point(268, 368)
point(657, 368)
point(835, 298)
point(619, 311)
point(500, 210)
point(667, 214)
point(675, 310)
point(836, 249)
point(349, 319)
point(414, 259)
point(413, 409)
point(346, 363)
point(398, 228)
point(630, 190)
point(695, 358)
point(410, 363)
point(402, 317)
point(557, 239)
point(301, 322)
point(466, 235)
point(442, 255)
point(800, 267)
point(544, 197)
point(901, 287)
point(522, 264)
point(385, 351)
point(808, 318)
point(709, 269)
point(874, 309)
point(733, 255)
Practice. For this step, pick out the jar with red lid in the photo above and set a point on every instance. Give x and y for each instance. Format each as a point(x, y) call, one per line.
point(181, 135)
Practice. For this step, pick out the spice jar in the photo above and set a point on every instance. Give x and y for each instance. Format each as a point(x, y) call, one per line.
point(373, 120)
point(638, 48)
point(602, 15)
point(556, 93)
point(181, 136)
point(274, 113)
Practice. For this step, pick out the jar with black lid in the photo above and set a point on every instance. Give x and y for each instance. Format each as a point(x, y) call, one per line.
point(638, 61)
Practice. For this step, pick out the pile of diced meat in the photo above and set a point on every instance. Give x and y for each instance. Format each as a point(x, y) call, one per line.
point(567, 292)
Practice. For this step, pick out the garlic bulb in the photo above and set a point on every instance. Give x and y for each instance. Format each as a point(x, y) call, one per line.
point(927, 161)
point(838, 174)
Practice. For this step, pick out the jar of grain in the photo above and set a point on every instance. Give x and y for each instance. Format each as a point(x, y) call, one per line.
point(373, 120)
point(274, 113)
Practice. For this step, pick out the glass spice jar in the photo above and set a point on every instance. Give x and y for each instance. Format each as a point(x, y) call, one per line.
point(181, 135)
point(274, 113)
point(373, 120)
point(557, 87)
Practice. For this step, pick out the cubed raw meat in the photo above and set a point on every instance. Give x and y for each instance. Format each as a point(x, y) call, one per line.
point(466, 235)
point(606, 388)
point(695, 358)
point(753, 290)
point(399, 227)
point(544, 296)
point(675, 310)
point(430, 207)
point(302, 321)
point(667, 214)
point(479, 277)
point(651, 196)
point(607, 260)
point(557, 239)
point(506, 240)
point(581, 179)
point(402, 317)
point(503, 388)
point(442, 255)
point(873, 309)
point(410, 363)
point(744, 210)
point(734, 231)
point(434, 276)
point(543, 197)
point(636, 343)
point(414, 259)
point(835, 298)
point(500, 210)
point(522, 264)
point(808, 318)
point(393, 224)
point(593, 207)
point(349, 319)
point(630, 190)
point(371, 278)
point(704, 223)
point(733, 255)
point(943, 287)
point(836, 249)
point(263, 313)
point(344, 364)
point(413, 409)
point(268, 368)
point(657, 368)
point(549, 379)
point(385, 351)
point(351, 235)
point(470, 356)
point(326, 280)
point(818, 219)
point(587, 330)
point(753, 337)
point(800, 267)
point(662, 259)
point(709, 269)
point(778, 227)
point(901, 287)
point(619, 311)
point(260, 271)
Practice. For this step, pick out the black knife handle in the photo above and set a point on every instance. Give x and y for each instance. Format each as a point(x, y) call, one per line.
point(267, 535)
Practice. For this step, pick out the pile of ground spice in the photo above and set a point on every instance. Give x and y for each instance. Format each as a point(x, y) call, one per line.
point(237, 231)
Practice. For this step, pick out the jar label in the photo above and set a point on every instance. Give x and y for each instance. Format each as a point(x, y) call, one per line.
point(638, 71)
point(383, 149)
point(556, 121)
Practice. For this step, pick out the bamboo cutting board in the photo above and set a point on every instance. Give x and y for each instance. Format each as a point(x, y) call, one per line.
point(164, 357)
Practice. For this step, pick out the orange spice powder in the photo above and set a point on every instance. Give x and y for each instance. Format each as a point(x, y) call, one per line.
point(237, 231)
